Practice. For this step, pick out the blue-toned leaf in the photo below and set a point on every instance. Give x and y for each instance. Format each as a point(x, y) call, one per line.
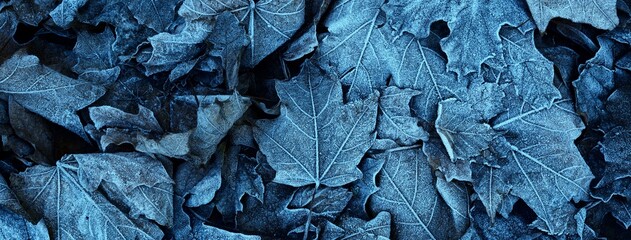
point(600, 14)
point(317, 139)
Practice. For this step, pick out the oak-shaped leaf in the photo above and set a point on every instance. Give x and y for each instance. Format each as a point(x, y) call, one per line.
point(269, 23)
point(46, 92)
point(317, 139)
point(406, 190)
point(600, 14)
point(70, 210)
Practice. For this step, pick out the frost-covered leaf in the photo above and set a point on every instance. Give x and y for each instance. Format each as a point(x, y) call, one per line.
point(202, 231)
point(521, 59)
point(204, 190)
point(269, 23)
point(355, 228)
point(364, 187)
point(156, 14)
point(108, 116)
point(229, 39)
point(406, 190)
point(70, 210)
point(8, 26)
point(170, 49)
point(352, 49)
point(215, 116)
point(95, 57)
point(238, 178)
point(8, 199)
point(395, 118)
point(13, 226)
point(271, 218)
point(421, 68)
point(462, 130)
point(32, 12)
point(542, 151)
point(137, 180)
point(474, 26)
point(327, 202)
point(46, 92)
point(317, 139)
point(600, 14)
point(66, 12)
point(456, 196)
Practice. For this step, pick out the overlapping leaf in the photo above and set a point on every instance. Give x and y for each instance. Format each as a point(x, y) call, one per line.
point(46, 92)
point(270, 23)
point(71, 209)
point(406, 190)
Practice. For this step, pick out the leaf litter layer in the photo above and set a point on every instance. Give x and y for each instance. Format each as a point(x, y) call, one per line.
point(324, 119)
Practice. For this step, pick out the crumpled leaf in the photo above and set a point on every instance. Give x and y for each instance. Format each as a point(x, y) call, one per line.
point(96, 61)
point(135, 179)
point(215, 116)
point(456, 196)
point(13, 226)
point(35, 130)
point(356, 228)
point(395, 118)
point(8, 199)
point(269, 23)
point(317, 139)
point(474, 26)
point(46, 92)
point(600, 14)
point(238, 178)
point(32, 12)
point(110, 117)
point(56, 194)
point(406, 190)
point(170, 49)
point(484, 227)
